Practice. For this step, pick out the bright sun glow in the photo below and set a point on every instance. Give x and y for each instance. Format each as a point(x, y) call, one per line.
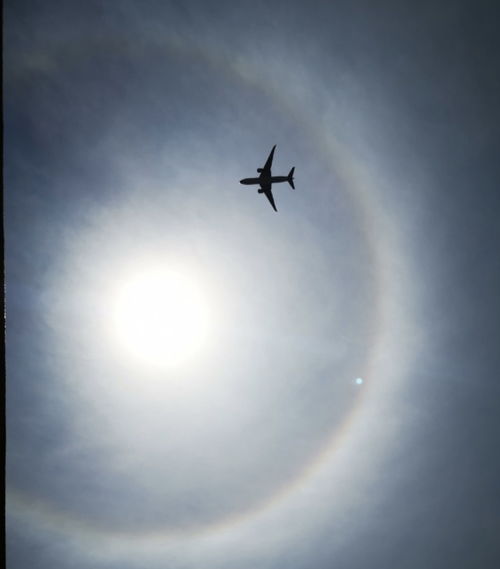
point(161, 318)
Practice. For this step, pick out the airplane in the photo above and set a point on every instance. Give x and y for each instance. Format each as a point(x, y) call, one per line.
point(266, 180)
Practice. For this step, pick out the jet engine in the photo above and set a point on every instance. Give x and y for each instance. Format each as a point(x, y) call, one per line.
point(261, 191)
point(259, 170)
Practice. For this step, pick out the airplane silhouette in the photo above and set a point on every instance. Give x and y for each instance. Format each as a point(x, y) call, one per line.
point(266, 180)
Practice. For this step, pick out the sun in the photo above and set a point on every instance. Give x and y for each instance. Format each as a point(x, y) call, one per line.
point(160, 318)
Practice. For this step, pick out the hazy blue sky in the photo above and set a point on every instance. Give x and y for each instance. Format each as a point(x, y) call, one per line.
point(323, 389)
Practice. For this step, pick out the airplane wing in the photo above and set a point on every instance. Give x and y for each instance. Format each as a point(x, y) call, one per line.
point(269, 195)
point(267, 166)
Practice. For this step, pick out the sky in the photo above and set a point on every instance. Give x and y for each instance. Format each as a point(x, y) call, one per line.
point(195, 380)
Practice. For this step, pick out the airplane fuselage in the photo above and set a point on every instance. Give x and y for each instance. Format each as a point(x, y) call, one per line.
point(264, 180)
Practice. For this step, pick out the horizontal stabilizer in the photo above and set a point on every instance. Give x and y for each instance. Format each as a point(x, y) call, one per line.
point(290, 177)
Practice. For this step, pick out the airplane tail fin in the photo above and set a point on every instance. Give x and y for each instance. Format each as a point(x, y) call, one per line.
point(290, 177)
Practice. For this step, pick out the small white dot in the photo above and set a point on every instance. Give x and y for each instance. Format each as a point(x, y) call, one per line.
point(359, 380)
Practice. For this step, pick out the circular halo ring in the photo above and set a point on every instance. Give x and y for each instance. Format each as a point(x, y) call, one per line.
point(43, 514)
